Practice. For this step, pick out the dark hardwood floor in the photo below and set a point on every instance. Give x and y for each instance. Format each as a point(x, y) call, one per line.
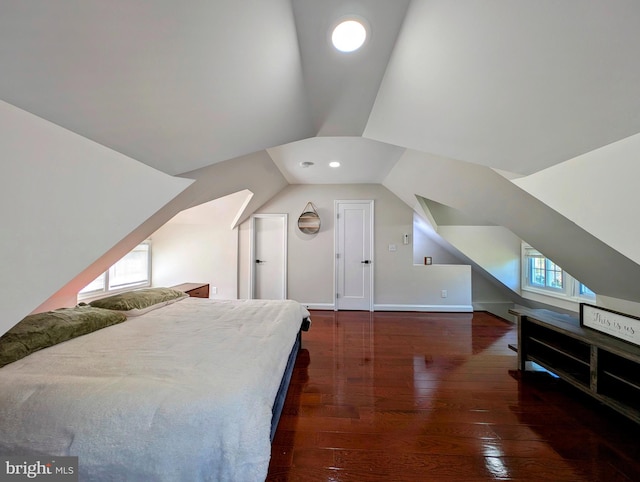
point(437, 397)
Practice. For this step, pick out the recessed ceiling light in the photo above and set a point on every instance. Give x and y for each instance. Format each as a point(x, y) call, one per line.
point(334, 164)
point(305, 164)
point(349, 35)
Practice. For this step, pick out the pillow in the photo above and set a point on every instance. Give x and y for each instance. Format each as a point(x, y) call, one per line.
point(41, 330)
point(139, 302)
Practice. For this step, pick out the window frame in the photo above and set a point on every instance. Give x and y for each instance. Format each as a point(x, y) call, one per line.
point(106, 289)
point(571, 290)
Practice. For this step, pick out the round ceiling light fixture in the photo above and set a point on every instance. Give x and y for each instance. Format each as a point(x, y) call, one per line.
point(334, 164)
point(349, 35)
point(305, 164)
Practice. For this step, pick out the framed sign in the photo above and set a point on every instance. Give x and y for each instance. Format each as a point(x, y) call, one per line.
point(613, 323)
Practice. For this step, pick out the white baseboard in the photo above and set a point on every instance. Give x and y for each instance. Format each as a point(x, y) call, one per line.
point(379, 307)
point(319, 306)
point(437, 308)
point(498, 309)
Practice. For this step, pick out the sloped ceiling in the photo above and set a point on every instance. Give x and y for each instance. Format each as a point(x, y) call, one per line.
point(177, 85)
point(180, 85)
point(444, 215)
point(184, 85)
point(518, 86)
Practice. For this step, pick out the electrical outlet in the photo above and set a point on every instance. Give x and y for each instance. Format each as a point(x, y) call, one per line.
point(443, 293)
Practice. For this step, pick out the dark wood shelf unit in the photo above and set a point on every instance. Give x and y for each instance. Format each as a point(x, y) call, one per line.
point(604, 367)
point(195, 290)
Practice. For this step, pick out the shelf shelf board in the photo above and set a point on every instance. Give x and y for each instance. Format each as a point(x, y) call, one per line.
point(560, 350)
point(565, 375)
point(626, 381)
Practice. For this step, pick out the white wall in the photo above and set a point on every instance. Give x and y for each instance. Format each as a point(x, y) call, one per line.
point(424, 245)
point(65, 200)
point(487, 292)
point(494, 248)
point(199, 245)
point(481, 192)
point(598, 191)
point(398, 283)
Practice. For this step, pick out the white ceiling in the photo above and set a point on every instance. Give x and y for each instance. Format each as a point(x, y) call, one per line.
point(180, 85)
point(361, 160)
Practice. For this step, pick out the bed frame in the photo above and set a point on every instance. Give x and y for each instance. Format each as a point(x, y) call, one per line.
point(281, 396)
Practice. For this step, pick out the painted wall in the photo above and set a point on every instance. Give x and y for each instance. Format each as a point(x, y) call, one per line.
point(425, 244)
point(598, 191)
point(65, 200)
point(200, 245)
point(398, 282)
point(486, 194)
point(488, 292)
point(494, 248)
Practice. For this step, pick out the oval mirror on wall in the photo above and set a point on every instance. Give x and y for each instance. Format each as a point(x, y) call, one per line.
point(309, 221)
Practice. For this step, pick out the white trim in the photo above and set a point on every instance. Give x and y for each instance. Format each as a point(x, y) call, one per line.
point(435, 308)
point(441, 308)
point(372, 252)
point(567, 294)
point(106, 291)
point(319, 306)
point(252, 250)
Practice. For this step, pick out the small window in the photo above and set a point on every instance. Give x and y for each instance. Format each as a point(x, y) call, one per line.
point(542, 275)
point(132, 271)
point(585, 292)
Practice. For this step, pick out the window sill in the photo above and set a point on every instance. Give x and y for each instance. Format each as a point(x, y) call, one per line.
point(103, 294)
point(555, 299)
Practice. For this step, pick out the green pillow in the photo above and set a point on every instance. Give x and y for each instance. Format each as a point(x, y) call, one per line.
point(41, 330)
point(138, 302)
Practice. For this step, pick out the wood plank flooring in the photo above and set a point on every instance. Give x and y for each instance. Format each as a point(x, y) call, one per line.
point(437, 397)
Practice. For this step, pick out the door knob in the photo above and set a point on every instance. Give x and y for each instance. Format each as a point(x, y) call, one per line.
point(259, 261)
point(366, 261)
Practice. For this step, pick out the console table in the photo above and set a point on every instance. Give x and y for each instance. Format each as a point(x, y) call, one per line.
point(604, 367)
point(195, 290)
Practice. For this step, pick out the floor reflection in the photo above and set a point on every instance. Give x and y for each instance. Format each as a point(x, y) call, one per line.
point(433, 396)
point(577, 427)
point(285, 437)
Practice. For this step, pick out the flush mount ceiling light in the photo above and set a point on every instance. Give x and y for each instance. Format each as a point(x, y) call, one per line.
point(349, 35)
point(334, 164)
point(305, 164)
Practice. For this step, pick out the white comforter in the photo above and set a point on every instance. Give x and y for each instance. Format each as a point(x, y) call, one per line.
point(183, 393)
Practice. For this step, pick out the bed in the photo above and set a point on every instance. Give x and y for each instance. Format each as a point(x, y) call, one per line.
point(189, 390)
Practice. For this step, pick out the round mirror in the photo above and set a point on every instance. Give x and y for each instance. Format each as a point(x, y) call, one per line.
point(309, 222)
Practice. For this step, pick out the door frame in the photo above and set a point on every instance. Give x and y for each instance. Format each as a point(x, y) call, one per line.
point(252, 252)
point(336, 204)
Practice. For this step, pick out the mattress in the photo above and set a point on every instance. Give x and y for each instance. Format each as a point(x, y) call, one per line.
point(184, 392)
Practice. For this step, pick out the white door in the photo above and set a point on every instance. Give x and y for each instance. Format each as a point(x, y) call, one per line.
point(269, 257)
point(354, 255)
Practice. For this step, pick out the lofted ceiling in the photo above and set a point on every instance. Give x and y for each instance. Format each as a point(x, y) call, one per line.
point(180, 85)
point(445, 105)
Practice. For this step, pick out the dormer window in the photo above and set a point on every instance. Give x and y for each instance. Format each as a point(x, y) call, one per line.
point(541, 275)
point(132, 271)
